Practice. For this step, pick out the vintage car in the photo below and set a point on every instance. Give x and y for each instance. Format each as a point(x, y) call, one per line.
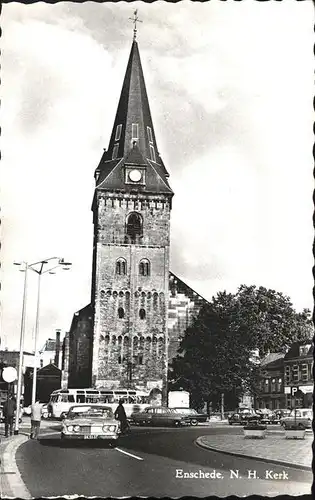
point(160, 415)
point(265, 415)
point(279, 415)
point(194, 416)
point(90, 422)
point(242, 416)
point(302, 417)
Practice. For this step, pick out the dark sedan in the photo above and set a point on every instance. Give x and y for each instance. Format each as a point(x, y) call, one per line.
point(161, 416)
point(242, 417)
point(194, 416)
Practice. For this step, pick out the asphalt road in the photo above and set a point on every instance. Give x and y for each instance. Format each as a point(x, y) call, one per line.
point(149, 462)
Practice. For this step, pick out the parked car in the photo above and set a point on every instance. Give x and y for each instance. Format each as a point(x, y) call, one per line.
point(242, 416)
point(160, 415)
point(302, 418)
point(90, 422)
point(278, 415)
point(194, 416)
point(265, 415)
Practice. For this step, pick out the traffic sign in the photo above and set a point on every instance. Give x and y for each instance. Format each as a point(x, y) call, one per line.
point(9, 374)
point(294, 390)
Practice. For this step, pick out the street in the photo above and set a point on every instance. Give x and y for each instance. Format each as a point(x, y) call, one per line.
point(150, 462)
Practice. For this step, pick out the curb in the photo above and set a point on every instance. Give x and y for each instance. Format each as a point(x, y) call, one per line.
point(11, 482)
point(199, 442)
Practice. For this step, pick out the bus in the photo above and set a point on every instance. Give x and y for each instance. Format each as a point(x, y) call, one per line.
point(61, 399)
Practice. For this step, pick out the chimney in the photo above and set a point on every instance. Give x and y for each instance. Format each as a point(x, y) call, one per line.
point(57, 350)
point(65, 362)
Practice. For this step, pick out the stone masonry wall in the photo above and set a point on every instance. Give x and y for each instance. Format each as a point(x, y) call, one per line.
point(131, 350)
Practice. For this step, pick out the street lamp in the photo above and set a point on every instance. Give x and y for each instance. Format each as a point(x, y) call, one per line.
point(39, 268)
point(19, 384)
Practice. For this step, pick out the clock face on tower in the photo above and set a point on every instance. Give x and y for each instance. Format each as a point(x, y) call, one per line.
point(135, 175)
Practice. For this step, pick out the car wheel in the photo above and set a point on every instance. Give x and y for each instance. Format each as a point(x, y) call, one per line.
point(300, 426)
point(194, 421)
point(230, 423)
point(176, 423)
point(45, 415)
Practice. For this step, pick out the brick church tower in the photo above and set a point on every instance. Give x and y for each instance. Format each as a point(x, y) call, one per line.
point(130, 276)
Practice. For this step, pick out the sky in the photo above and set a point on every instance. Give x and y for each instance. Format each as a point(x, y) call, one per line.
point(230, 87)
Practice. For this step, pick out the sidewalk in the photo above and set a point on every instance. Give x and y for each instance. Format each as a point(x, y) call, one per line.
point(274, 448)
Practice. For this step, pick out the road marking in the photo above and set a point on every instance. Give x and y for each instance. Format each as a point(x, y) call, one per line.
point(129, 454)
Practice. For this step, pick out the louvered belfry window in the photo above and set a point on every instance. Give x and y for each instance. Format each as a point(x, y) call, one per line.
point(134, 131)
point(115, 151)
point(118, 132)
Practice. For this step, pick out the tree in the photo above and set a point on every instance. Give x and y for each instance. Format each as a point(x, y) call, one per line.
point(216, 353)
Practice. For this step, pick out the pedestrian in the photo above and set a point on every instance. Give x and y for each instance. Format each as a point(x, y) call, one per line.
point(9, 408)
point(36, 416)
point(120, 415)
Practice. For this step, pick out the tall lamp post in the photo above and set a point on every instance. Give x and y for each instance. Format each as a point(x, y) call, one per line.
point(19, 383)
point(39, 268)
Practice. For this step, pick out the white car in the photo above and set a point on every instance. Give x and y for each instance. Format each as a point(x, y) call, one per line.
point(90, 422)
point(302, 417)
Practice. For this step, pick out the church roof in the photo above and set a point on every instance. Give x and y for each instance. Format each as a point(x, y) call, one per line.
point(133, 141)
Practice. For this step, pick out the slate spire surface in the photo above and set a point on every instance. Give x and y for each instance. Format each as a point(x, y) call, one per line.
point(133, 138)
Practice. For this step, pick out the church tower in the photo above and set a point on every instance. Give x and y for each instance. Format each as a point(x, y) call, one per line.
point(130, 276)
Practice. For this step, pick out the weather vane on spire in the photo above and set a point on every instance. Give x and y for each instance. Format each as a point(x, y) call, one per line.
point(135, 19)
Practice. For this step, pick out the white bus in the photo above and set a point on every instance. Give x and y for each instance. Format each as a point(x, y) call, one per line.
point(61, 399)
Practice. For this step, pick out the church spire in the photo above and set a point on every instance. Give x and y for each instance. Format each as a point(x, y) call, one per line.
point(133, 138)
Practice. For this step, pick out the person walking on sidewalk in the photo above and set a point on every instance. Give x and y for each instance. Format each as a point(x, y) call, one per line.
point(36, 416)
point(120, 415)
point(9, 408)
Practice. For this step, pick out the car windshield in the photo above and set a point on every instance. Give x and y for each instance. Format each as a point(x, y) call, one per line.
point(89, 411)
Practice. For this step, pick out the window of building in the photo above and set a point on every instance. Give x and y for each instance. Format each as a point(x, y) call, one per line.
point(118, 132)
point(295, 373)
point(41, 363)
point(115, 151)
point(140, 359)
point(121, 313)
point(149, 134)
point(287, 374)
point(273, 385)
point(144, 267)
point(134, 226)
point(134, 131)
point(152, 153)
point(304, 372)
point(142, 314)
point(266, 388)
point(121, 266)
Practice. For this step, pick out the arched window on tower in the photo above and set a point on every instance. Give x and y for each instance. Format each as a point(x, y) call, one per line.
point(142, 313)
point(144, 267)
point(134, 227)
point(121, 266)
point(121, 313)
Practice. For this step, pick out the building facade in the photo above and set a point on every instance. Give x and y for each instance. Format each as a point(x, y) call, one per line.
point(298, 375)
point(271, 393)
